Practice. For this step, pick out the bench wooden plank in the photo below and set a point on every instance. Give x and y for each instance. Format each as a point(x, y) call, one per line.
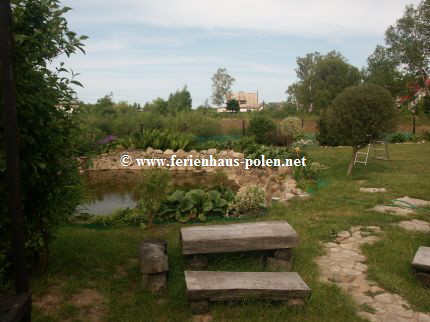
point(421, 260)
point(238, 237)
point(221, 286)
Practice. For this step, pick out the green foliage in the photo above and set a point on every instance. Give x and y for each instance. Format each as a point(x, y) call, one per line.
point(292, 126)
point(154, 187)
point(397, 138)
point(359, 115)
point(120, 217)
point(179, 101)
point(312, 171)
point(250, 199)
point(270, 152)
point(241, 145)
point(233, 105)
point(196, 204)
point(321, 79)
point(407, 41)
point(51, 185)
point(260, 126)
point(161, 139)
point(382, 70)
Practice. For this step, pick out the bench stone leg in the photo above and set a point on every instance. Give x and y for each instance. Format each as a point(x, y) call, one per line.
point(423, 277)
point(284, 254)
point(199, 306)
point(197, 262)
point(156, 283)
point(295, 302)
point(278, 265)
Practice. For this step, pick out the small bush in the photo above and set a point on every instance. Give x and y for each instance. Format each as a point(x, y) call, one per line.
point(397, 138)
point(196, 204)
point(426, 135)
point(152, 191)
point(312, 171)
point(260, 126)
point(249, 199)
point(292, 126)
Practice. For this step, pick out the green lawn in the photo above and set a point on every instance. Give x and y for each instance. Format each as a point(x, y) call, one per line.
point(105, 259)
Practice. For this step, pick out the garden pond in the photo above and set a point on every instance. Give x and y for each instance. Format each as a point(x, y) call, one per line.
point(108, 190)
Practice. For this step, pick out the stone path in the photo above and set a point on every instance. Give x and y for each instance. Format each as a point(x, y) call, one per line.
point(344, 265)
point(401, 206)
point(394, 210)
point(414, 225)
point(373, 190)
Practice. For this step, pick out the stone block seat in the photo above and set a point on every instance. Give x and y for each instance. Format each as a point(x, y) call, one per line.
point(276, 237)
point(206, 286)
point(421, 264)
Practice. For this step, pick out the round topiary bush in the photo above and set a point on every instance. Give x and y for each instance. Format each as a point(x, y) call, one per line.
point(360, 115)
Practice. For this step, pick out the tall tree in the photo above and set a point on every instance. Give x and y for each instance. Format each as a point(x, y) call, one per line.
point(179, 101)
point(383, 70)
point(408, 41)
point(320, 79)
point(221, 86)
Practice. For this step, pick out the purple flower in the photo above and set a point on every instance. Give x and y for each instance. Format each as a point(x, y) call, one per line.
point(106, 140)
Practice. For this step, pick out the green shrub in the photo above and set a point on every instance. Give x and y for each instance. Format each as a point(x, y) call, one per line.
point(250, 199)
point(120, 217)
point(196, 204)
point(270, 152)
point(292, 126)
point(426, 135)
point(260, 126)
point(153, 189)
point(397, 138)
point(312, 171)
point(50, 182)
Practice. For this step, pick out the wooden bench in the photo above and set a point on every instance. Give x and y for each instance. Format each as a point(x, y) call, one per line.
point(205, 286)
point(278, 236)
point(421, 264)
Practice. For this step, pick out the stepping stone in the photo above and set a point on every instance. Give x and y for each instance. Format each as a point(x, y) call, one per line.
point(394, 210)
point(415, 225)
point(411, 201)
point(421, 264)
point(373, 190)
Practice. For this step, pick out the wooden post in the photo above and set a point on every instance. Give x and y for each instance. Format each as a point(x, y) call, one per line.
point(13, 172)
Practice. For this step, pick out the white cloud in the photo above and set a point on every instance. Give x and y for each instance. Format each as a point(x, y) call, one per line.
point(305, 18)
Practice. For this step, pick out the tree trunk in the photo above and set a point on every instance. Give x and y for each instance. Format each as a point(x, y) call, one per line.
point(413, 122)
point(351, 162)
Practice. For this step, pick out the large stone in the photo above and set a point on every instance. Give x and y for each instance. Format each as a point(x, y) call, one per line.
point(212, 151)
point(408, 201)
point(421, 261)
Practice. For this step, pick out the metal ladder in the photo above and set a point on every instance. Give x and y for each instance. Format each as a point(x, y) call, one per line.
point(375, 151)
point(356, 160)
point(385, 155)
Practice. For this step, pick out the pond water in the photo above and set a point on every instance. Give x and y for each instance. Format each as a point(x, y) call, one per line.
point(107, 190)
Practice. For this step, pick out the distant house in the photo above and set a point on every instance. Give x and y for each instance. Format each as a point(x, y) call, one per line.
point(247, 101)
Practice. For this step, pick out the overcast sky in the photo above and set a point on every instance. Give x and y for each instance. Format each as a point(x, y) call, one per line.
point(141, 49)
